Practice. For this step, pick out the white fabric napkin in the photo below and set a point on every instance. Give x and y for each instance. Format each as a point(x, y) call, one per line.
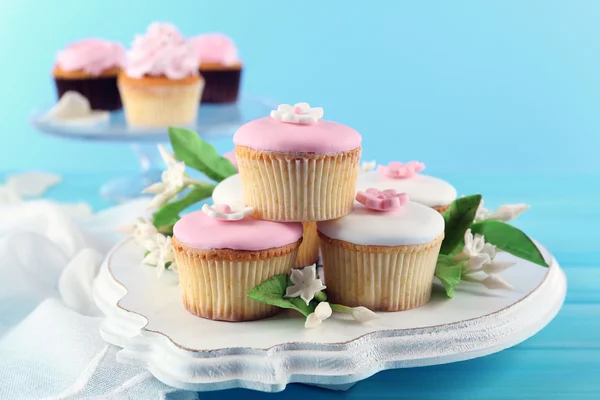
point(50, 346)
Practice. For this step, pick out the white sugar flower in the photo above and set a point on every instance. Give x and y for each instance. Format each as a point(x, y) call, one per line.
point(305, 284)
point(173, 180)
point(368, 166)
point(225, 212)
point(505, 213)
point(491, 282)
point(300, 113)
point(322, 312)
point(159, 253)
point(363, 314)
point(474, 245)
point(143, 230)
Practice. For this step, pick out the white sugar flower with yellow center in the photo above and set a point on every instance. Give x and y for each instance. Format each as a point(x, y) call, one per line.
point(299, 113)
point(305, 284)
point(505, 213)
point(173, 180)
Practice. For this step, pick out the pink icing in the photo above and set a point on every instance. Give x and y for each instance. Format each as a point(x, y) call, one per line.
point(386, 200)
point(161, 51)
point(199, 231)
point(232, 158)
point(274, 135)
point(92, 56)
point(215, 48)
point(397, 170)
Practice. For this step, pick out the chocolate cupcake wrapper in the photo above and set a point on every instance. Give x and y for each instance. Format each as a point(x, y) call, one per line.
point(159, 106)
point(308, 253)
point(222, 86)
point(380, 278)
point(302, 188)
point(218, 289)
point(101, 92)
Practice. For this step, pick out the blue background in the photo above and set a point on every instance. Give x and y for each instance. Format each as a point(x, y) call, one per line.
point(498, 97)
point(461, 85)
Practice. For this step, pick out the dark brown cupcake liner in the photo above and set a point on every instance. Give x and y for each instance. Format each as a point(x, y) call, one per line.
point(102, 92)
point(221, 86)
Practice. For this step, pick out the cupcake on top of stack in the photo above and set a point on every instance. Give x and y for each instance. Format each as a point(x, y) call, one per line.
point(424, 189)
point(294, 166)
point(220, 66)
point(161, 85)
point(90, 67)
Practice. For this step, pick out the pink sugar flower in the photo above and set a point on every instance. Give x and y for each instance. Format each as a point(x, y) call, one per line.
point(387, 200)
point(397, 170)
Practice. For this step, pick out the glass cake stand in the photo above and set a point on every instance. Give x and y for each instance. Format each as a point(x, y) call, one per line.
point(215, 121)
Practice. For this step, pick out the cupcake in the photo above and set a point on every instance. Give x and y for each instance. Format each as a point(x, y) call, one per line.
point(294, 166)
point(220, 67)
point(222, 254)
point(383, 254)
point(406, 178)
point(90, 67)
point(160, 85)
point(229, 191)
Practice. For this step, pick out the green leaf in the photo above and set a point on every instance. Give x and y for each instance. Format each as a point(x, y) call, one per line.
point(458, 218)
point(509, 239)
point(168, 214)
point(272, 291)
point(200, 155)
point(449, 272)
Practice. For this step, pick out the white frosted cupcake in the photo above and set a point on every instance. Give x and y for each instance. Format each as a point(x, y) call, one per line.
point(406, 178)
point(229, 191)
point(383, 254)
point(222, 254)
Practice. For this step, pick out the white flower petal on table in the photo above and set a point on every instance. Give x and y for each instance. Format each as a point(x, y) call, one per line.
point(495, 282)
point(312, 321)
point(363, 314)
point(496, 267)
point(32, 184)
point(323, 310)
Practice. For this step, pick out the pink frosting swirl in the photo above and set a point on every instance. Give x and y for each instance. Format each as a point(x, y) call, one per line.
point(215, 48)
point(92, 56)
point(161, 51)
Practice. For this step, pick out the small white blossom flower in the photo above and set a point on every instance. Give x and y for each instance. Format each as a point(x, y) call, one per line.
point(143, 230)
point(300, 113)
point(363, 314)
point(305, 284)
point(474, 245)
point(505, 213)
point(322, 312)
point(160, 252)
point(368, 166)
point(173, 180)
point(224, 212)
point(491, 282)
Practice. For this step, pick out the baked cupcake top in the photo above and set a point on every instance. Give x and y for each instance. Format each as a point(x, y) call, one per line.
point(92, 56)
point(198, 230)
point(424, 189)
point(215, 48)
point(385, 219)
point(297, 128)
point(161, 51)
point(228, 191)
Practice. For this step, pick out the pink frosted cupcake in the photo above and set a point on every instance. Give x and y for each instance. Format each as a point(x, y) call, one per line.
point(91, 67)
point(295, 166)
point(160, 85)
point(220, 67)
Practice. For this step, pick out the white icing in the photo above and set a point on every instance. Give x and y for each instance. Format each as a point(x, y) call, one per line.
point(228, 191)
point(422, 189)
point(413, 223)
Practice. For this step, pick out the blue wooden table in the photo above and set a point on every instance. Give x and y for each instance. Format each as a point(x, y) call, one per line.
point(560, 362)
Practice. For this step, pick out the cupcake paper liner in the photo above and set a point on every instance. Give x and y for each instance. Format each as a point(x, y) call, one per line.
point(216, 286)
point(101, 92)
point(159, 106)
point(301, 187)
point(381, 278)
point(222, 85)
point(308, 253)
